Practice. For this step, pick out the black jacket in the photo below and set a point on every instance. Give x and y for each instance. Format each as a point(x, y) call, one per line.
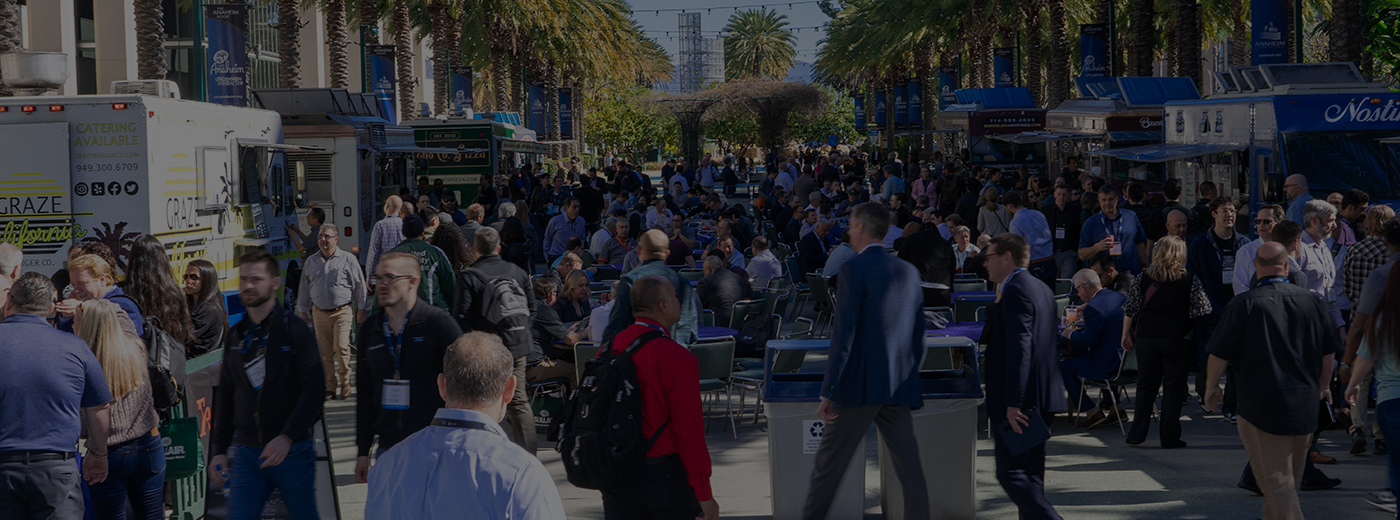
point(492, 266)
point(548, 329)
point(933, 256)
point(719, 291)
point(209, 322)
point(425, 340)
point(811, 253)
point(293, 392)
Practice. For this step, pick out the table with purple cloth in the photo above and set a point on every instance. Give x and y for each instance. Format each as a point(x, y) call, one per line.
point(973, 295)
point(716, 332)
point(966, 329)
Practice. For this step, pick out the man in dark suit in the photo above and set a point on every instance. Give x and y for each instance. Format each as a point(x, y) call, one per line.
point(811, 249)
point(932, 255)
point(1097, 346)
point(877, 348)
point(1021, 369)
point(720, 288)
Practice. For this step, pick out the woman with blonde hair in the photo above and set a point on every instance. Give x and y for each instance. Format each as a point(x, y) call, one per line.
point(135, 457)
point(1163, 304)
point(573, 298)
point(992, 218)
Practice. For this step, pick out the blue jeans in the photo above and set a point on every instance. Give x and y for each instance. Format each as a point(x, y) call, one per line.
point(252, 486)
point(1388, 417)
point(135, 471)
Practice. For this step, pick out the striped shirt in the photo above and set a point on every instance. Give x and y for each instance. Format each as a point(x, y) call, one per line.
point(386, 235)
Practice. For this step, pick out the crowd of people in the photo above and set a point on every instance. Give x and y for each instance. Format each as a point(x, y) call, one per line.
point(458, 309)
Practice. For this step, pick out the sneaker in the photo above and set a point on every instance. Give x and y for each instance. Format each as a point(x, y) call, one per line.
point(1384, 496)
point(1381, 448)
point(1358, 443)
point(1206, 410)
point(1230, 418)
point(1320, 481)
point(1388, 507)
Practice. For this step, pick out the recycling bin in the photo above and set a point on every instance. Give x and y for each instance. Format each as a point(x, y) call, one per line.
point(946, 429)
point(794, 434)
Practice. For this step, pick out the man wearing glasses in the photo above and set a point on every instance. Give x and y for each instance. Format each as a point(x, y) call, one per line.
point(1211, 257)
point(1264, 220)
point(331, 281)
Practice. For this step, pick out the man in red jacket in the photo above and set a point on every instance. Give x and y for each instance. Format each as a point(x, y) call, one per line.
point(675, 484)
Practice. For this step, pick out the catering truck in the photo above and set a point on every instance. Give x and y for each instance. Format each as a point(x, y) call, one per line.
point(981, 114)
point(209, 181)
point(1263, 123)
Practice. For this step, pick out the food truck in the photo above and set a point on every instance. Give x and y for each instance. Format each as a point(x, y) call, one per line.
point(210, 181)
point(1111, 112)
point(354, 158)
point(981, 114)
point(501, 144)
point(1263, 123)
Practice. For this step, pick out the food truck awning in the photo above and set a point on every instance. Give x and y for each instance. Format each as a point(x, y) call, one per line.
point(513, 145)
point(1148, 135)
point(419, 149)
point(927, 132)
point(1041, 136)
point(279, 146)
point(1158, 153)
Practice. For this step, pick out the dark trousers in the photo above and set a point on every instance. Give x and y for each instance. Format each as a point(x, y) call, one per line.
point(659, 492)
point(1023, 477)
point(1162, 363)
point(40, 490)
point(839, 442)
point(135, 472)
point(1045, 271)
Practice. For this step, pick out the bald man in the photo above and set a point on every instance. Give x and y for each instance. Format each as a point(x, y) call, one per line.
point(1295, 187)
point(652, 249)
point(387, 233)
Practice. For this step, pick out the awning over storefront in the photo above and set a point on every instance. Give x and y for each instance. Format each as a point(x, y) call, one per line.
point(419, 149)
point(512, 145)
point(1041, 136)
point(1159, 153)
point(927, 132)
point(1135, 136)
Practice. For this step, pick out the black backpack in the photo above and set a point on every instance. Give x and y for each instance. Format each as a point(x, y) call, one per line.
point(503, 307)
point(165, 361)
point(601, 437)
point(753, 335)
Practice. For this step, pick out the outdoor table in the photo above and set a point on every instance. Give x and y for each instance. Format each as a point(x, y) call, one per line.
point(974, 295)
point(967, 329)
point(716, 332)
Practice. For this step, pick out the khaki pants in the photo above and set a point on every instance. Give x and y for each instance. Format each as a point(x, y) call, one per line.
point(1278, 462)
point(1359, 412)
point(552, 368)
point(519, 422)
point(333, 337)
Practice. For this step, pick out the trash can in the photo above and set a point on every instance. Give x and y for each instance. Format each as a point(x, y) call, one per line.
point(794, 434)
point(946, 429)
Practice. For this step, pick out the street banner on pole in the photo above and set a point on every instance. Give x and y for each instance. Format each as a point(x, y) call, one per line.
point(901, 107)
point(1269, 21)
point(948, 83)
point(916, 105)
point(382, 80)
point(1004, 66)
point(879, 109)
point(566, 113)
point(1093, 50)
point(538, 119)
point(860, 111)
point(227, 54)
point(461, 87)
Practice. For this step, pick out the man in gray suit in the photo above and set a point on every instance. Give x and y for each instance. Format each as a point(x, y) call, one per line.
point(877, 348)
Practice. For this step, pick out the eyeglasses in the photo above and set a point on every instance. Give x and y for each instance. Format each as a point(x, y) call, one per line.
point(1262, 221)
point(191, 276)
point(387, 280)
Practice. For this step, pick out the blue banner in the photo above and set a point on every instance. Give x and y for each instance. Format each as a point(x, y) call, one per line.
point(461, 88)
point(860, 111)
point(948, 84)
point(566, 113)
point(879, 109)
point(916, 105)
point(901, 106)
point(1093, 50)
point(538, 120)
point(1269, 22)
point(1004, 66)
point(227, 55)
point(382, 80)
point(1339, 113)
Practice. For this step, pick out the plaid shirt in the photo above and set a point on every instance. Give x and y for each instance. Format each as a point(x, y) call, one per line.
point(1362, 258)
point(686, 331)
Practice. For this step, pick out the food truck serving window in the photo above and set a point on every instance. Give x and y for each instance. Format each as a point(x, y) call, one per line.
point(1351, 160)
point(985, 149)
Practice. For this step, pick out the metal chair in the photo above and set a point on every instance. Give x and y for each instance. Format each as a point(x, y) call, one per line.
point(1060, 303)
point(965, 309)
point(605, 273)
point(1063, 287)
point(823, 301)
point(779, 282)
point(716, 360)
point(785, 361)
point(1126, 375)
point(707, 318)
point(584, 351)
point(799, 286)
point(770, 298)
point(742, 309)
point(976, 284)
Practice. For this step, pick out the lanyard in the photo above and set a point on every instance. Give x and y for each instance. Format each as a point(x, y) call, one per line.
point(463, 425)
point(1273, 279)
point(248, 340)
point(653, 326)
point(395, 342)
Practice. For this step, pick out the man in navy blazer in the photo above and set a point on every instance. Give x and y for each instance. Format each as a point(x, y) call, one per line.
point(1022, 365)
point(877, 348)
point(1100, 340)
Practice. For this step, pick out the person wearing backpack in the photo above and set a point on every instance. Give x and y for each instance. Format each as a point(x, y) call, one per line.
point(652, 250)
point(492, 297)
point(401, 349)
point(674, 481)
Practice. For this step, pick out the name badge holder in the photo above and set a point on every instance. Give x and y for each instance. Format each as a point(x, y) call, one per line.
point(394, 395)
point(1059, 233)
point(257, 371)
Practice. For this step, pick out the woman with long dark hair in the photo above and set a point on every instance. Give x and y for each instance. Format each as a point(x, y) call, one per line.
point(151, 284)
point(208, 317)
point(1380, 350)
point(515, 248)
point(454, 246)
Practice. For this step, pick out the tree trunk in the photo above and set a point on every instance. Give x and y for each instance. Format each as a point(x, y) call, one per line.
point(336, 53)
point(369, 23)
point(403, 58)
point(288, 44)
point(1169, 55)
point(1188, 41)
point(9, 33)
point(150, 39)
point(1143, 36)
point(1104, 13)
point(1239, 35)
point(1030, 10)
point(443, 42)
point(500, 79)
point(1059, 70)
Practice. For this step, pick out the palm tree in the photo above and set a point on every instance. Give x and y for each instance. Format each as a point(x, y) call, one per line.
point(337, 33)
point(369, 28)
point(403, 57)
point(446, 30)
point(1188, 41)
point(9, 32)
point(150, 39)
point(1144, 38)
point(1030, 10)
point(288, 44)
point(757, 45)
point(1057, 87)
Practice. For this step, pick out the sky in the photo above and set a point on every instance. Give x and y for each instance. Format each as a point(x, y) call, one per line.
point(803, 15)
